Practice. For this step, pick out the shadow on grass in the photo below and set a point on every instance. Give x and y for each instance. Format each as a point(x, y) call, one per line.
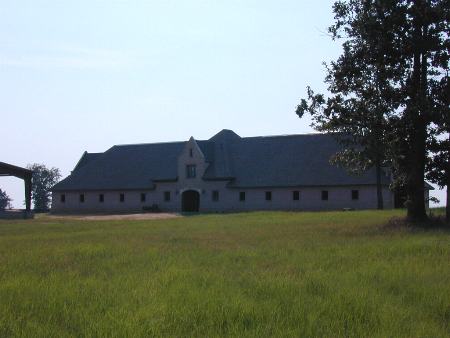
point(433, 223)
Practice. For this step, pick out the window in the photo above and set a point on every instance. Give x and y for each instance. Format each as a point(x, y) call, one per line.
point(296, 195)
point(215, 195)
point(324, 195)
point(355, 194)
point(190, 171)
point(82, 198)
point(166, 196)
point(63, 198)
point(242, 196)
point(143, 197)
point(268, 195)
point(101, 198)
point(122, 197)
point(190, 153)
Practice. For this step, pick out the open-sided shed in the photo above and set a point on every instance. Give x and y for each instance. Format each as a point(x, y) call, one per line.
point(7, 169)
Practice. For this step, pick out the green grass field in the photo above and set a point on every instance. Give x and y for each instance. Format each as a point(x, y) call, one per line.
point(252, 274)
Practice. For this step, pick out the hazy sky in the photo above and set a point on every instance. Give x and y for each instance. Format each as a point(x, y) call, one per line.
point(88, 74)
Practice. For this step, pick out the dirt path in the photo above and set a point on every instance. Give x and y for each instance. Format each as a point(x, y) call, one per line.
point(146, 216)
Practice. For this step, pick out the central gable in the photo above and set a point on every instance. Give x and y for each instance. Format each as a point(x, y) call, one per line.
point(191, 163)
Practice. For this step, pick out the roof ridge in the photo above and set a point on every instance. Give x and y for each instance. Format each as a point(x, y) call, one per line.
point(211, 139)
point(147, 143)
point(289, 135)
point(152, 143)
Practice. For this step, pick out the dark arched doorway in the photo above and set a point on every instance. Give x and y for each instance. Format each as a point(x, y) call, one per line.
point(190, 201)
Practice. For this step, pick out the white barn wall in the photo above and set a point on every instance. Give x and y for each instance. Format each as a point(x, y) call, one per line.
point(310, 199)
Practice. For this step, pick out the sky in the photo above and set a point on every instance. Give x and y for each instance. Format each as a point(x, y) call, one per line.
point(89, 74)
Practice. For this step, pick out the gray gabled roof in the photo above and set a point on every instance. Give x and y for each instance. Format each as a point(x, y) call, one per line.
point(274, 161)
point(86, 158)
point(291, 160)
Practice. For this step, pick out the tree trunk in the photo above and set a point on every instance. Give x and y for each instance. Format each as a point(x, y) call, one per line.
point(416, 176)
point(379, 187)
point(415, 185)
point(447, 208)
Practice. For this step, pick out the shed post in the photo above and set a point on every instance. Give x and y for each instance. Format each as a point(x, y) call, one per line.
point(27, 181)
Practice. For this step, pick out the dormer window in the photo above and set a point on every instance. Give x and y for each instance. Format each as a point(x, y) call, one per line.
point(191, 171)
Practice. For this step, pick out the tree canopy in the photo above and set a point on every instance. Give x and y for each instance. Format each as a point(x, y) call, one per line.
point(5, 200)
point(43, 180)
point(388, 90)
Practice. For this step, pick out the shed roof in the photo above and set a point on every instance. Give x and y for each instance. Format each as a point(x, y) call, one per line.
point(7, 169)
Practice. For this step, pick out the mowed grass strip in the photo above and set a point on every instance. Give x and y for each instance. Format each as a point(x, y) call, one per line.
point(251, 274)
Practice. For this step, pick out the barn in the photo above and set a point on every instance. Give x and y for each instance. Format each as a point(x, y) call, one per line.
point(224, 173)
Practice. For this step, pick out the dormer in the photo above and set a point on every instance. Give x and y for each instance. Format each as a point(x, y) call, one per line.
point(192, 163)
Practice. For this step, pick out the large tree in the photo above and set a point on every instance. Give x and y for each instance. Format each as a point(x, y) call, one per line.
point(383, 88)
point(43, 180)
point(356, 114)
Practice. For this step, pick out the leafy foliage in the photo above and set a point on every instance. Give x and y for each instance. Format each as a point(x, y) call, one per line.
point(438, 166)
point(5, 200)
point(43, 181)
point(388, 90)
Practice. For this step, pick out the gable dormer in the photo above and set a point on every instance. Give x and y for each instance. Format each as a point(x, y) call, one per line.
point(225, 135)
point(192, 163)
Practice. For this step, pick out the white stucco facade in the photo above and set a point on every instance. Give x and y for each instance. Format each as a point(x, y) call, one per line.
point(229, 199)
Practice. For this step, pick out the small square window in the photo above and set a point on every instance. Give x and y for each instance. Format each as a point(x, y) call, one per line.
point(122, 197)
point(143, 197)
point(355, 194)
point(63, 198)
point(215, 195)
point(82, 198)
point(268, 195)
point(166, 196)
point(191, 171)
point(296, 195)
point(101, 198)
point(242, 196)
point(324, 195)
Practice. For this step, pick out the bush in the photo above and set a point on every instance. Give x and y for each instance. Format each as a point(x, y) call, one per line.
point(152, 208)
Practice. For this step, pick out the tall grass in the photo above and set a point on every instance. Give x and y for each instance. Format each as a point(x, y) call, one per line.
point(256, 274)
